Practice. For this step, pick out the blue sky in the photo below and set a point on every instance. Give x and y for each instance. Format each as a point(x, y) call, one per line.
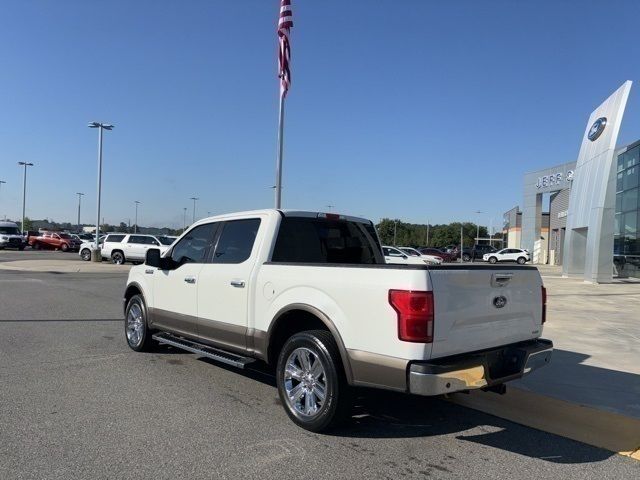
point(416, 110)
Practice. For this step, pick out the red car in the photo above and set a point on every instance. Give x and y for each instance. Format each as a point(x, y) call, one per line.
point(54, 241)
point(446, 257)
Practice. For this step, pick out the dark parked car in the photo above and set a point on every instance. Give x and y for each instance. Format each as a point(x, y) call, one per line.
point(446, 257)
point(481, 249)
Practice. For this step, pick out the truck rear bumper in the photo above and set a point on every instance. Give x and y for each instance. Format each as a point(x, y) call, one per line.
point(478, 370)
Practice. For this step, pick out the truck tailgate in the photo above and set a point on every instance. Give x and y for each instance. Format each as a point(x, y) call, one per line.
point(480, 307)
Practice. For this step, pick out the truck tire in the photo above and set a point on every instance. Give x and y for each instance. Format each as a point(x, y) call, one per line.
point(493, 260)
point(85, 254)
point(36, 246)
point(64, 247)
point(136, 331)
point(522, 260)
point(311, 382)
point(117, 257)
point(466, 257)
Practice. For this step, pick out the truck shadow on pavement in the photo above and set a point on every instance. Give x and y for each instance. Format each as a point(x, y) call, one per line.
point(568, 378)
point(381, 414)
point(386, 415)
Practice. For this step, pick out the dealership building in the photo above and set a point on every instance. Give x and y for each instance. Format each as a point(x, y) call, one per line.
point(585, 215)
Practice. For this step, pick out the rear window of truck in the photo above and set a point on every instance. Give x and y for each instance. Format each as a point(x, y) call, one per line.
point(321, 240)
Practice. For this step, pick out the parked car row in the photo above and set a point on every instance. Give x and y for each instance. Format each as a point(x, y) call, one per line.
point(436, 256)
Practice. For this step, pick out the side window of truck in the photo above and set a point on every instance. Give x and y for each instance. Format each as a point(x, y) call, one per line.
point(195, 245)
point(236, 241)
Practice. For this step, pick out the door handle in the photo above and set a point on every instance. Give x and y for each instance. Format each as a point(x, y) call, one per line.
point(190, 279)
point(149, 271)
point(237, 283)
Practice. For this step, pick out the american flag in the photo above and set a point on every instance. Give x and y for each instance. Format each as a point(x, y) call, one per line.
point(285, 22)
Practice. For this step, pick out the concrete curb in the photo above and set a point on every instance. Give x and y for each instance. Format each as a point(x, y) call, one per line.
point(62, 267)
point(611, 431)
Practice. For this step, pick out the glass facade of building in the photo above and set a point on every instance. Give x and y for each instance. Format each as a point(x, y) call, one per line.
point(627, 224)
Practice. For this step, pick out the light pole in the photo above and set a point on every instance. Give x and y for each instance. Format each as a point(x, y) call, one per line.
point(1, 182)
point(330, 207)
point(478, 212)
point(135, 225)
point(79, 201)
point(96, 256)
point(184, 220)
point(24, 189)
point(194, 207)
point(427, 234)
point(395, 225)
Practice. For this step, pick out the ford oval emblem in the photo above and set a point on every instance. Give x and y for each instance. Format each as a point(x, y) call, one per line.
point(597, 128)
point(500, 301)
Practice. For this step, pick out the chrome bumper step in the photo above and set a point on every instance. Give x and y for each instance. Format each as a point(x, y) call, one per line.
point(213, 353)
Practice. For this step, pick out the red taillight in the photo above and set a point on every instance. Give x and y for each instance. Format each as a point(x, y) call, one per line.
point(544, 305)
point(415, 315)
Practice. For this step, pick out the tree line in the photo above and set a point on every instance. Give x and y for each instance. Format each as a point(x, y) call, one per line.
point(441, 235)
point(31, 225)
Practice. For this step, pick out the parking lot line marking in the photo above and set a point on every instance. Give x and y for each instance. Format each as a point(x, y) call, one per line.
point(64, 320)
point(608, 430)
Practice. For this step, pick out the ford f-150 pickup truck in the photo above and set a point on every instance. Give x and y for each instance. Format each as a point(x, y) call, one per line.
point(310, 294)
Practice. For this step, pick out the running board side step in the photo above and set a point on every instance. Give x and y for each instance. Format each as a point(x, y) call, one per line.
point(213, 353)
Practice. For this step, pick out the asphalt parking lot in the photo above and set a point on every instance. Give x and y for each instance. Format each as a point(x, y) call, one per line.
point(78, 403)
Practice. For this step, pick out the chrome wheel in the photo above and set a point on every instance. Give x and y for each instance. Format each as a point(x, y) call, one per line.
point(86, 255)
point(305, 382)
point(117, 258)
point(135, 325)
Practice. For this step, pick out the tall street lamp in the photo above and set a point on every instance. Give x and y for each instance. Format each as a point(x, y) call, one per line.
point(194, 207)
point(96, 256)
point(135, 226)
point(1, 182)
point(79, 201)
point(478, 212)
point(24, 189)
point(184, 219)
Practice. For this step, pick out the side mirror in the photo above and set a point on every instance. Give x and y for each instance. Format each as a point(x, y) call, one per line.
point(405, 257)
point(153, 258)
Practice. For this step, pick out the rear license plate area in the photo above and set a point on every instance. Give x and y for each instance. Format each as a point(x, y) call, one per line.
point(505, 363)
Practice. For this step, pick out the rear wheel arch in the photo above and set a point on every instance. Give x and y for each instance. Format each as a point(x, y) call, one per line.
point(298, 318)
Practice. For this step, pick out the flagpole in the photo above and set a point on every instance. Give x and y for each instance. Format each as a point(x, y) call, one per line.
point(280, 150)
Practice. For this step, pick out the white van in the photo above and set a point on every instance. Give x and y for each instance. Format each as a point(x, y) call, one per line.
point(10, 236)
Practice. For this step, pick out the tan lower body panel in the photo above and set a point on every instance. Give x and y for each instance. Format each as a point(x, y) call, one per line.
point(380, 371)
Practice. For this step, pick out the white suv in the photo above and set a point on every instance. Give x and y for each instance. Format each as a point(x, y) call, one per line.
point(508, 255)
point(120, 248)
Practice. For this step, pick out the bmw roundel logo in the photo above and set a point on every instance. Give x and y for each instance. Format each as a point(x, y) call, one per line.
point(597, 128)
point(500, 301)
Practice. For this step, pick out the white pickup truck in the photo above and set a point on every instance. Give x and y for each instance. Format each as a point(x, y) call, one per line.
point(310, 294)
